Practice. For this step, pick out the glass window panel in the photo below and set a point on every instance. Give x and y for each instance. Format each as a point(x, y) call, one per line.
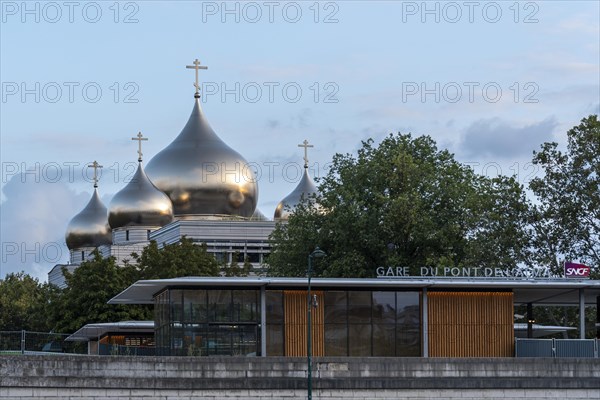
point(274, 306)
point(359, 307)
point(335, 307)
point(244, 340)
point(274, 340)
point(219, 302)
point(219, 340)
point(194, 302)
point(408, 309)
point(245, 305)
point(253, 257)
point(408, 334)
point(192, 340)
point(336, 340)
point(408, 341)
point(359, 340)
point(384, 339)
point(176, 305)
point(384, 307)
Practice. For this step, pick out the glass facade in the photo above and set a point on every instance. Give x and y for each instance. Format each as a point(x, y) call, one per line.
point(217, 321)
point(197, 322)
point(372, 323)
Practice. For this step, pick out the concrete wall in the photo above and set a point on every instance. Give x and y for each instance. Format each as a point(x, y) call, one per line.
point(219, 378)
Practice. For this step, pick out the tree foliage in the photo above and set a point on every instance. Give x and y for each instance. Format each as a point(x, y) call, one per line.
point(27, 304)
point(89, 288)
point(234, 269)
point(24, 303)
point(175, 260)
point(566, 219)
point(403, 203)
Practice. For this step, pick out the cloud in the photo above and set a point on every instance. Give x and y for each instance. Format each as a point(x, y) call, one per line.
point(34, 218)
point(495, 137)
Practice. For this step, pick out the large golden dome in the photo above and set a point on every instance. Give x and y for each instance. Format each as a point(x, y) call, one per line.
point(306, 187)
point(90, 227)
point(140, 203)
point(202, 175)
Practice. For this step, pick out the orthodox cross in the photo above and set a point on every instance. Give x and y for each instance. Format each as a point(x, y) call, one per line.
point(197, 67)
point(306, 146)
point(139, 138)
point(95, 165)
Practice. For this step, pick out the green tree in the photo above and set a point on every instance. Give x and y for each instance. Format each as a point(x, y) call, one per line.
point(500, 236)
point(566, 219)
point(175, 260)
point(24, 303)
point(402, 203)
point(89, 288)
point(234, 268)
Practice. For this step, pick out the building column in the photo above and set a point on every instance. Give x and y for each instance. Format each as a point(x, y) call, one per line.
point(581, 313)
point(263, 321)
point(425, 326)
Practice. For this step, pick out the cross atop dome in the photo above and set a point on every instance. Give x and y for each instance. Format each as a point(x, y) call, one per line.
point(306, 146)
point(95, 165)
point(139, 138)
point(197, 67)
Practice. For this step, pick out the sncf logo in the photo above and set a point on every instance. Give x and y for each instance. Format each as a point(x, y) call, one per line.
point(573, 270)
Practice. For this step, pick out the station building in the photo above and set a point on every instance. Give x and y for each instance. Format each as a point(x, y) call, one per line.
point(413, 317)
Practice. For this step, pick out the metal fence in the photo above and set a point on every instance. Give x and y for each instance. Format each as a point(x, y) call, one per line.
point(27, 342)
point(581, 348)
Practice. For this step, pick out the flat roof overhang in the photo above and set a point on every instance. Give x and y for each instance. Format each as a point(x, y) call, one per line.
point(536, 291)
point(97, 330)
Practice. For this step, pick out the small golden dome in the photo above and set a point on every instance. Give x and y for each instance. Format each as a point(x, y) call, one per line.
point(306, 187)
point(90, 227)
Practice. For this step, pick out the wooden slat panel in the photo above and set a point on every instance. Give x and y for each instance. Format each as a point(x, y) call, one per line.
point(470, 324)
point(296, 317)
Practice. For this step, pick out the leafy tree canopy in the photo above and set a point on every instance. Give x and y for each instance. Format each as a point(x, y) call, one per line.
point(24, 303)
point(89, 288)
point(403, 203)
point(566, 219)
point(175, 260)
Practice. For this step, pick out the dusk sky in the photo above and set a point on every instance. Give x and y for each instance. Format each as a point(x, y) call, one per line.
point(490, 81)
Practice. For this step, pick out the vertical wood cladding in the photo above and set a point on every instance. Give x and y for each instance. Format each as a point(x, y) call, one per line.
point(296, 313)
point(470, 324)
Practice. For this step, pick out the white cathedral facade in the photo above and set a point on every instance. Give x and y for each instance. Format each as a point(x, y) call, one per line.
point(197, 187)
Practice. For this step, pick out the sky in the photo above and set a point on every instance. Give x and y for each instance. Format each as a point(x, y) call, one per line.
point(490, 81)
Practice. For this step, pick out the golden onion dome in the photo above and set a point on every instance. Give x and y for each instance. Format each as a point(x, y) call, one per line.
point(140, 203)
point(90, 227)
point(202, 175)
point(306, 187)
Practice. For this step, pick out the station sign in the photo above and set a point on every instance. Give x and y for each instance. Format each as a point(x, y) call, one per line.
point(574, 270)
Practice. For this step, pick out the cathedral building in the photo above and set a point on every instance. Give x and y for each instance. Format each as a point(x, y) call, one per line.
point(197, 187)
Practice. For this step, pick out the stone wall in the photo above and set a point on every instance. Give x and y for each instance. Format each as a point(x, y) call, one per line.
point(219, 378)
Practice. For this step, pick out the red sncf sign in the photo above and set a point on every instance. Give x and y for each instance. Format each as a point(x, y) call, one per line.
point(573, 270)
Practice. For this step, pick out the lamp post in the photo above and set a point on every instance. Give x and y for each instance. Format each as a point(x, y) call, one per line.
point(317, 253)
